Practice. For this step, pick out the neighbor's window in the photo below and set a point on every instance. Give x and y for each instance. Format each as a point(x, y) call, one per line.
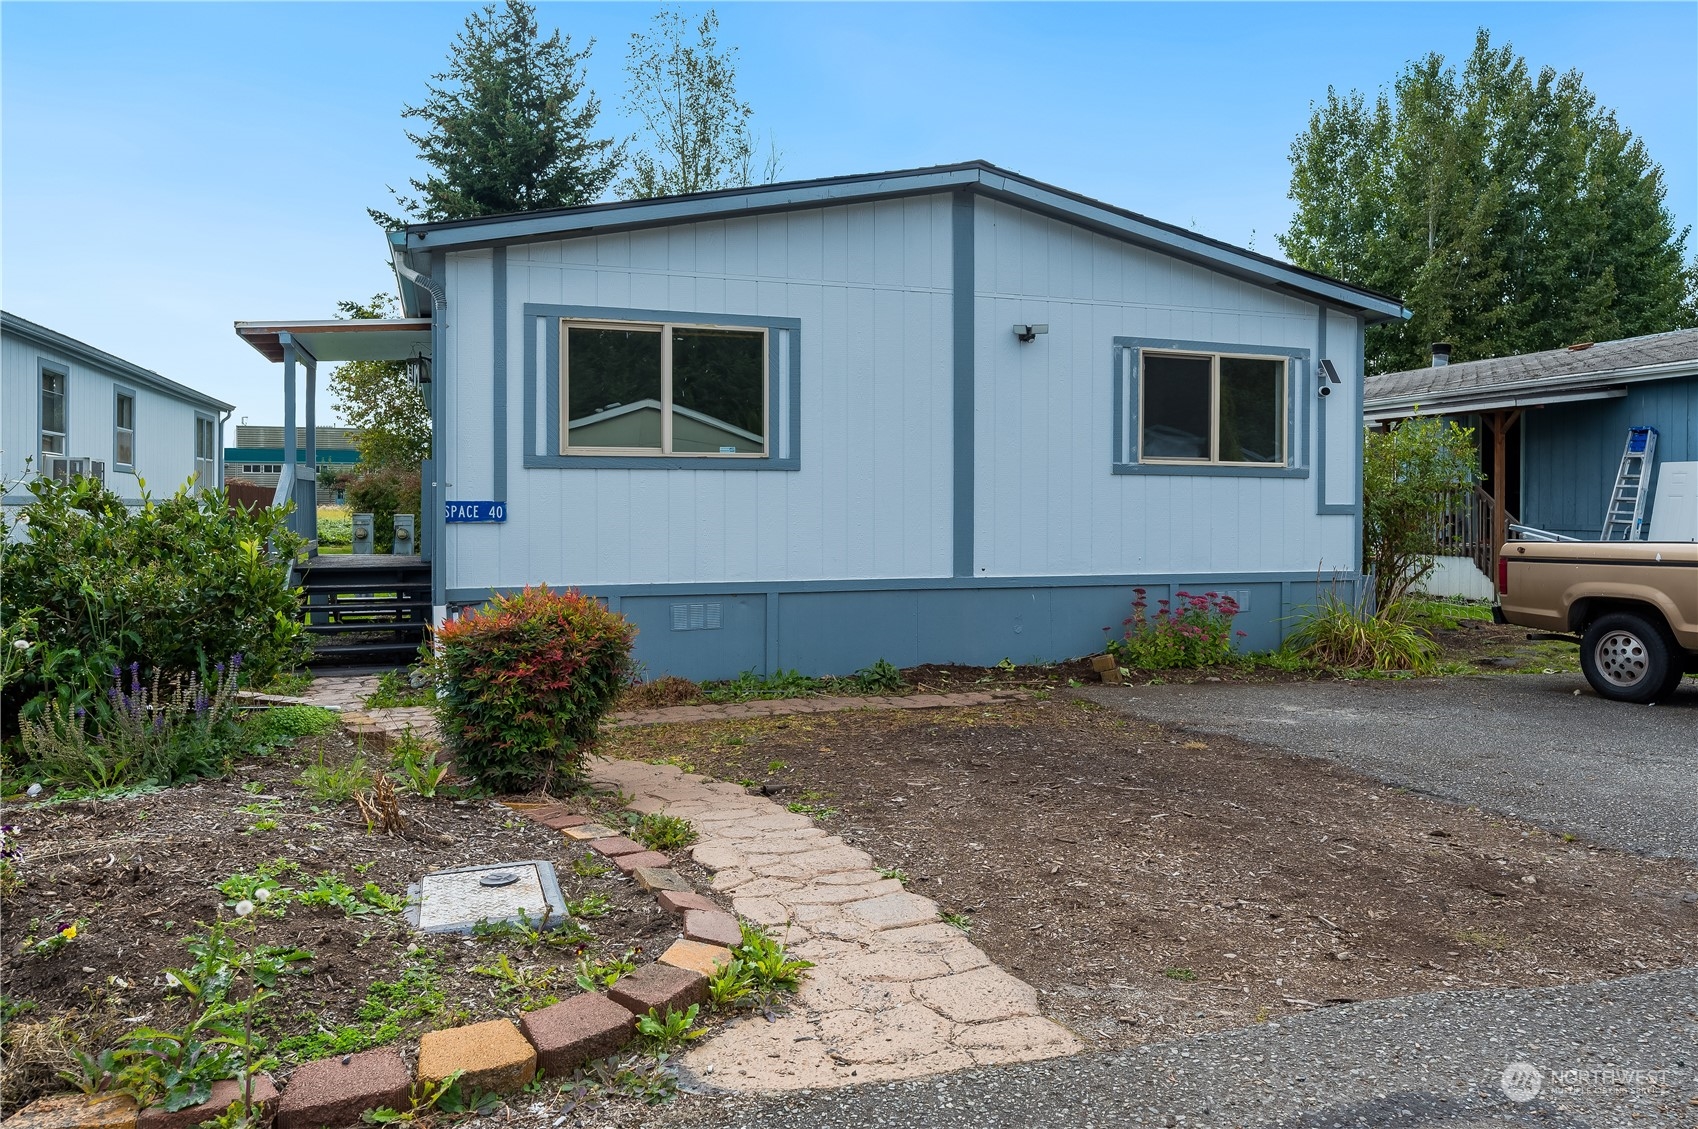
point(52, 413)
point(124, 429)
point(666, 389)
point(1210, 408)
point(206, 454)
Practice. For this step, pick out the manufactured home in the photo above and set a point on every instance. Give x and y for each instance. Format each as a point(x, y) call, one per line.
point(69, 408)
point(943, 415)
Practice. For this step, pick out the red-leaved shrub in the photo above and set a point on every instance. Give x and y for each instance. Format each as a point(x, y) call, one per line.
point(524, 682)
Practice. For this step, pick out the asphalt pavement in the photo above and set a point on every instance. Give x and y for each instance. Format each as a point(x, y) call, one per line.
point(1524, 745)
point(1587, 1057)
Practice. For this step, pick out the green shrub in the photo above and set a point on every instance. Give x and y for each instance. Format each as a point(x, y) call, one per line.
point(178, 586)
point(1188, 631)
point(523, 685)
point(335, 530)
point(282, 724)
point(384, 492)
point(1341, 634)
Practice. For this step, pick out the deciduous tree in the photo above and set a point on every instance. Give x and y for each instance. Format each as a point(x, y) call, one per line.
point(1510, 211)
point(682, 86)
point(379, 400)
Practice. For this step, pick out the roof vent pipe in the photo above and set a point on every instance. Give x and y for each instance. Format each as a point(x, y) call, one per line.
point(1441, 353)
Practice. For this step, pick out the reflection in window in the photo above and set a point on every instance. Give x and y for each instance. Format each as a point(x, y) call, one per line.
point(1176, 407)
point(1210, 408)
point(664, 389)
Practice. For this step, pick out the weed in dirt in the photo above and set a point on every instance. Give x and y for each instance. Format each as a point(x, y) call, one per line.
point(674, 1029)
point(526, 989)
point(644, 1078)
point(329, 890)
point(586, 866)
point(1492, 942)
point(390, 1006)
point(398, 688)
point(776, 766)
point(660, 832)
point(254, 787)
point(749, 686)
point(767, 961)
point(812, 811)
point(1183, 975)
point(881, 677)
point(534, 934)
point(590, 907)
point(955, 920)
point(593, 975)
point(894, 873)
point(335, 783)
point(416, 764)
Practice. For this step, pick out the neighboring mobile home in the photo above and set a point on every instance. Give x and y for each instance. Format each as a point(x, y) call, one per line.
point(942, 415)
point(71, 408)
point(1559, 422)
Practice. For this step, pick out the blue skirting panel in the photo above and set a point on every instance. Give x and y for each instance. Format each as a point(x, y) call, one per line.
point(701, 633)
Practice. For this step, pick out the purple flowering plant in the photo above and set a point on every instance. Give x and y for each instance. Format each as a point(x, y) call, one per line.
point(1190, 630)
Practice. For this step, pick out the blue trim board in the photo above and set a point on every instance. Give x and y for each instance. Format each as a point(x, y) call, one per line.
point(438, 429)
point(962, 237)
point(1323, 507)
point(1123, 371)
point(498, 264)
point(834, 627)
point(549, 459)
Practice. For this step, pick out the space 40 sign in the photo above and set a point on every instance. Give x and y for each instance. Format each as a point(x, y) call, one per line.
point(476, 511)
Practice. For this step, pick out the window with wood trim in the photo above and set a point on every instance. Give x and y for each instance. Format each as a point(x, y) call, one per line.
point(1213, 409)
point(630, 388)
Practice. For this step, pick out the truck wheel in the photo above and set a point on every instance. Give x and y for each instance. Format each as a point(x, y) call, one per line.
point(1628, 658)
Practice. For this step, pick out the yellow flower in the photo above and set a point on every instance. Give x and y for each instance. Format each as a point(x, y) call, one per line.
point(69, 932)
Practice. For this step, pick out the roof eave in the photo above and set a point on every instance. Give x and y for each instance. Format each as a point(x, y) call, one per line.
point(1451, 401)
point(597, 219)
point(99, 358)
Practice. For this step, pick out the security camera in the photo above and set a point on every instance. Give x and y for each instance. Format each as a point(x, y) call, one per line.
point(1324, 390)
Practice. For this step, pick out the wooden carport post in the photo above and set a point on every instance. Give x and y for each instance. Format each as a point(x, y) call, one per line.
point(1499, 423)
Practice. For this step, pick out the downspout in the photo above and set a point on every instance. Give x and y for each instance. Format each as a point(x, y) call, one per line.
point(222, 420)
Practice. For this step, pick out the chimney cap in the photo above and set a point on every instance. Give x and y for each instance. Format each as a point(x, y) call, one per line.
point(1441, 353)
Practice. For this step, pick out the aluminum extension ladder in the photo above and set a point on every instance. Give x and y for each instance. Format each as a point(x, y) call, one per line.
point(1625, 515)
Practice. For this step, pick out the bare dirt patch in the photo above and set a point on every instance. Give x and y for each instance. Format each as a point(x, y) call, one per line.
point(144, 872)
point(1150, 884)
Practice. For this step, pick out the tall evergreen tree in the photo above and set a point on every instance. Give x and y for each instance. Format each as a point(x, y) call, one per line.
point(1509, 211)
point(682, 86)
point(510, 126)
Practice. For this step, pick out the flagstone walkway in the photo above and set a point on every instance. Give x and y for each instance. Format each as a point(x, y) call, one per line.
point(895, 992)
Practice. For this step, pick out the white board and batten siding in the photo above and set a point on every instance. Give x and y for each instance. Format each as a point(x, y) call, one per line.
point(1046, 503)
point(871, 286)
point(164, 424)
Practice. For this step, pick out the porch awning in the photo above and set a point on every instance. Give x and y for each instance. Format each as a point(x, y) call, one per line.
point(353, 339)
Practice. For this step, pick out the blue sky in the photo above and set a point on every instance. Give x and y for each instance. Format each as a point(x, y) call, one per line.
point(166, 170)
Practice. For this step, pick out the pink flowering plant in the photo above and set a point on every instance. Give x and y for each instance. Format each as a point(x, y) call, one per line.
point(1188, 631)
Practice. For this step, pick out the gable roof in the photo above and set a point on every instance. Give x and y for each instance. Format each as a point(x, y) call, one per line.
point(1579, 372)
point(54, 341)
point(981, 177)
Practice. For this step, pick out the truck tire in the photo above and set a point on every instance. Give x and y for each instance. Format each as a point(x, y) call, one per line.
point(1629, 657)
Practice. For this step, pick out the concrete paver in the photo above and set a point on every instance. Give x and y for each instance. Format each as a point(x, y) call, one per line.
point(895, 993)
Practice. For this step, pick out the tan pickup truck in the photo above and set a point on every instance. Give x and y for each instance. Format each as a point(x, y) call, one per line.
point(1633, 605)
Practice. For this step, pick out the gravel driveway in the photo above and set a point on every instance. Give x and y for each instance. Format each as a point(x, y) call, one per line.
point(1609, 1054)
point(1525, 745)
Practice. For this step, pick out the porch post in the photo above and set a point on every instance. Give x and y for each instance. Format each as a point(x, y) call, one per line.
point(1500, 423)
point(286, 480)
point(309, 508)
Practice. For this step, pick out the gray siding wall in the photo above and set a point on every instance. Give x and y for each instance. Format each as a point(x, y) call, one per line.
point(165, 427)
point(871, 286)
point(1046, 502)
point(852, 556)
point(1571, 452)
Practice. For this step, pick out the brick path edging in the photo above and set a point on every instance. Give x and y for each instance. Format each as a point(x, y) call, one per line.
point(498, 1055)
